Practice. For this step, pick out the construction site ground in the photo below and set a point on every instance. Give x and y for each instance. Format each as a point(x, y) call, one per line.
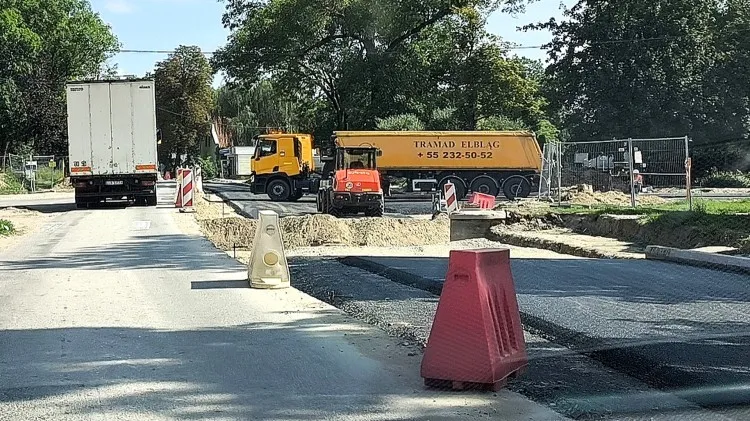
point(574, 377)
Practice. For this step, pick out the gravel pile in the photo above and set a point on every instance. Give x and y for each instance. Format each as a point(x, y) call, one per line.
point(322, 230)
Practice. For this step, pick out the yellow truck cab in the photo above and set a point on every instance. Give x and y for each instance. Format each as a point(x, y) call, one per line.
point(282, 166)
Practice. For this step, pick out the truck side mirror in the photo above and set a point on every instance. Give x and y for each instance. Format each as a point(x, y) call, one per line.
point(379, 153)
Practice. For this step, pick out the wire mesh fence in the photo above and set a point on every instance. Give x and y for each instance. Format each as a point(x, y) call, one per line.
point(36, 172)
point(633, 167)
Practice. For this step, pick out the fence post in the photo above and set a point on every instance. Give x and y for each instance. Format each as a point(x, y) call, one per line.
point(631, 168)
point(558, 165)
point(688, 173)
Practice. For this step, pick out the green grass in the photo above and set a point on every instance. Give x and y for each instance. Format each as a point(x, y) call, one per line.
point(10, 184)
point(715, 222)
point(6, 227)
point(708, 207)
point(47, 178)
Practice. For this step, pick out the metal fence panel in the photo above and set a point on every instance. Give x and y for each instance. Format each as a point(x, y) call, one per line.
point(629, 166)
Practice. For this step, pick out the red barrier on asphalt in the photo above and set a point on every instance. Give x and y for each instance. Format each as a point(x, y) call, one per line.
point(476, 338)
point(483, 201)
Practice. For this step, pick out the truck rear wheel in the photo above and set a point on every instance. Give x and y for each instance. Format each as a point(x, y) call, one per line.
point(485, 185)
point(516, 187)
point(279, 190)
point(460, 186)
point(151, 200)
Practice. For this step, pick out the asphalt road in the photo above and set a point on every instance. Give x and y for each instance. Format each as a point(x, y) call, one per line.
point(241, 197)
point(680, 328)
point(128, 313)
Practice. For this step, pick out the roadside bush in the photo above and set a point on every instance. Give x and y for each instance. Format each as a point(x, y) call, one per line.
point(209, 167)
point(726, 179)
point(6, 227)
point(10, 184)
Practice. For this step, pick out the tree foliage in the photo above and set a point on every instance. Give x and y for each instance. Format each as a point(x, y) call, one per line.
point(645, 68)
point(369, 60)
point(43, 44)
point(184, 101)
point(260, 107)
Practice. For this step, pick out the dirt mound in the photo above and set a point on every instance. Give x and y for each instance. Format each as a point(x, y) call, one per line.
point(610, 198)
point(315, 230)
point(227, 233)
point(325, 230)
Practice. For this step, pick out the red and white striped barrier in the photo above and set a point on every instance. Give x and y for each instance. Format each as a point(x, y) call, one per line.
point(451, 201)
point(185, 189)
point(178, 189)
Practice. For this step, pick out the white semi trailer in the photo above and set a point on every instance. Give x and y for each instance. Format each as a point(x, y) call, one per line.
point(112, 141)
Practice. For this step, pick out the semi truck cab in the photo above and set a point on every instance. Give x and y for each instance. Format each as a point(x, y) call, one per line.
point(282, 166)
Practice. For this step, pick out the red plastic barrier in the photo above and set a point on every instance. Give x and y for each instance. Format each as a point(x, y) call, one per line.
point(476, 338)
point(484, 201)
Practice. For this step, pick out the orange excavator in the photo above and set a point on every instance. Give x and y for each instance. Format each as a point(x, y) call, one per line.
point(351, 182)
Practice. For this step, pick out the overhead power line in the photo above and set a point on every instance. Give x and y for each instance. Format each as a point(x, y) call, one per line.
point(509, 44)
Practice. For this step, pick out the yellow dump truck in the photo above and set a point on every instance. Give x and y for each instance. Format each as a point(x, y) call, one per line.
point(483, 162)
point(283, 166)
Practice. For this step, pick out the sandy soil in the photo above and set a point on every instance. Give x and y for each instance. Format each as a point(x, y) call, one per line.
point(24, 221)
point(324, 236)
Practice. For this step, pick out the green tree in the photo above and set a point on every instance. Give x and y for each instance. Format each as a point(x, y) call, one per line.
point(400, 122)
point(648, 68)
point(250, 111)
point(43, 44)
point(184, 101)
point(345, 51)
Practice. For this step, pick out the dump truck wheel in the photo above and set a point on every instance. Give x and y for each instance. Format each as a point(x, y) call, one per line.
point(460, 187)
point(279, 190)
point(485, 185)
point(516, 187)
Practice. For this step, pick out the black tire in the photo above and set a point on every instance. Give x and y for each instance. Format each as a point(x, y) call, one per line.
point(296, 196)
point(460, 187)
point(516, 187)
point(325, 208)
point(376, 212)
point(486, 185)
point(80, 204)
point(151, 201)
point(319, 203)
point(279, 190)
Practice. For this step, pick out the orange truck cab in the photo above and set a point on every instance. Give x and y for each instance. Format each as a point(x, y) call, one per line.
point(283, 166)
point(351, 183)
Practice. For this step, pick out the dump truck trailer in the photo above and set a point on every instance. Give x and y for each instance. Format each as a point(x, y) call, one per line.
point(112, 140)
point(482, 162)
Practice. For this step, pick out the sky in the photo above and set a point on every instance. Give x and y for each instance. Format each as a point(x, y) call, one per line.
point(166, 24)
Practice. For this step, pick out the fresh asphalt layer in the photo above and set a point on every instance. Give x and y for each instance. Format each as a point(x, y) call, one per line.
point(679, 328)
